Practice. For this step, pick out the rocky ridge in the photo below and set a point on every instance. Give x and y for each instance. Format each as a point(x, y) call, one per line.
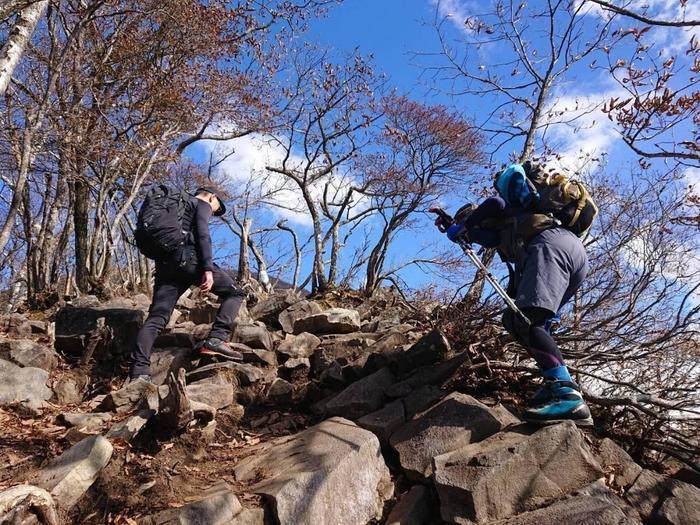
point(340, 413)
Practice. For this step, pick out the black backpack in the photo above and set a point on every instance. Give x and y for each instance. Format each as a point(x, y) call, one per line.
point(159, 229)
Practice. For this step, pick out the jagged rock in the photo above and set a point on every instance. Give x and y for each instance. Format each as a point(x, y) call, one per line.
point(412, 508)
point(330, 473)
point(454, 422)
point(660, 499)
point(613, 459)
point(333, 375)
point(218, 506)
point(421, 399)
point(256, 355)
point(166, 360)
point(581, 510)
point(68, 391)
point(290, 315)
point(249, 374)
point(428, 375)
point(280, 391)
point(268, 310)
point(124, 323)
point(331, 321)
point(174, 339)
point(27, 505)
point(253, 335)
point(201, 331)
point(384, 422)
point(430, 348)
point(129, 397)
point(72, 473)
point(129, 428)
point(26, 385)
point(216, 391)
point(302, 345)
point(249, 517)
point(362, 397)
point(512, 472)
point(86, 421)
point(86, 301)
point(25, 352)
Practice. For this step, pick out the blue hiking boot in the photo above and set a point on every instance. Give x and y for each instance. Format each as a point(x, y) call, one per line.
point(567, 404)
point(544, 394)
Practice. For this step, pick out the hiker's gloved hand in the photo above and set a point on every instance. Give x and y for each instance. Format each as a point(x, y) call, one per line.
point(455, 232)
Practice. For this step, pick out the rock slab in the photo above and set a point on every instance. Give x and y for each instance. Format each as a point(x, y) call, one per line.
point(72, 473)
point(25, 385)
point(513, 472)
point(218, 506)
point(330, 473)
point(331, 321)
point(454, 422)
point(361, 397)
point(25, 352)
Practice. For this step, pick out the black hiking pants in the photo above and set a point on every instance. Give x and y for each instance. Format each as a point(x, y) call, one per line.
point(171, 281)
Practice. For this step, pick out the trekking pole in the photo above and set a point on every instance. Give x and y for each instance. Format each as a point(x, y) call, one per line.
point(443, 223)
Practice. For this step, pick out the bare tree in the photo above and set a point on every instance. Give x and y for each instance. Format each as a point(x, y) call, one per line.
point(326, 121)
point(425, 151)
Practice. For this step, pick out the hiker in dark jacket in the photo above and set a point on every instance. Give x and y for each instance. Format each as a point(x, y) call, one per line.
point(550, 263)
point(188, 266)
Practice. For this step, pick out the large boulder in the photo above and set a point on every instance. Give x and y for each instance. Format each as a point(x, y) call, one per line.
point(301, 309)
point(124, 322)
point(361, 397)
point(513, 472)
point(330, 473)
point(660, 499)
point(16, 326)
point(454, 422)
point(24, 385)
point(331, 321)
point(72, 473)
point(302, 345)
point(26, 504)
point(25, 352)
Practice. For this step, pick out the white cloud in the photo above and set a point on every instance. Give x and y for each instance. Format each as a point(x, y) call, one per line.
point(577, 125)
point(456, 11)
point(247, 167)
point(692, 177)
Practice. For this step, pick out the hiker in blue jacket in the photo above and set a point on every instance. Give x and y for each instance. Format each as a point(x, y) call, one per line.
point(550, 263)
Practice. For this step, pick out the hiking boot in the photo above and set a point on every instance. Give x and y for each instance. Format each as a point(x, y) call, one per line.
point(546, 392)
point(566, 404)
point(217, 347)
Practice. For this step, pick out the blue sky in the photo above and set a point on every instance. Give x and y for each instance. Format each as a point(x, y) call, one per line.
point(392, 31)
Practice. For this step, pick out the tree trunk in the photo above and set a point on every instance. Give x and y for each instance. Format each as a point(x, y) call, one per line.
point(17, 41)
point(81, 212)
point(243, 260)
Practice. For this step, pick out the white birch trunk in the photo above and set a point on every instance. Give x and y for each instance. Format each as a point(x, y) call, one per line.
point(17, 41)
